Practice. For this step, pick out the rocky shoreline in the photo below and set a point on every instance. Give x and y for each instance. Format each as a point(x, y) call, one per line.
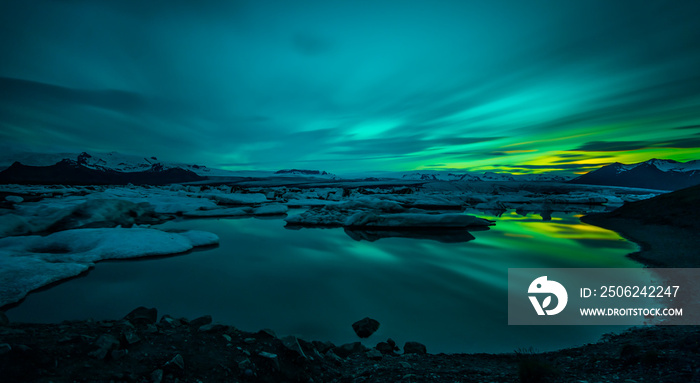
point(140, 348)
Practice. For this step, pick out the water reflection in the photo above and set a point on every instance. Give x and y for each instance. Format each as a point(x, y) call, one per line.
point(314, 283)
point(439, 235)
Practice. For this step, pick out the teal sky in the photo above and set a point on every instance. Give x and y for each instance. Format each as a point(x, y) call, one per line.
point(520, 86)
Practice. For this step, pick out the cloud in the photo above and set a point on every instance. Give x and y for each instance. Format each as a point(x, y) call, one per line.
point(611, 146)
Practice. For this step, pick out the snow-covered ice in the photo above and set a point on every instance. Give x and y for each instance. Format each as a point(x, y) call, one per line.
point(29, 262)
point(271, 209)
point(237, 198)
point(14, 199)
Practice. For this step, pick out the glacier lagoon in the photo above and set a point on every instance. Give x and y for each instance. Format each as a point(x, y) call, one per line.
point(314, 283)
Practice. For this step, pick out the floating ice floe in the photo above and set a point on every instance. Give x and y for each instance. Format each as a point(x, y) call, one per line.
point(14, 199)
point(237, 198)
point(269, 209)
point(49, 215)
point(374, 212)
point(30, 262)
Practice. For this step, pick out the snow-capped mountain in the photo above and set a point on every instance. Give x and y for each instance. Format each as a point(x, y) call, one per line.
point(652, 174)
point(491, 176)
point(669, 165)
point(112, 161)
point(70, 172)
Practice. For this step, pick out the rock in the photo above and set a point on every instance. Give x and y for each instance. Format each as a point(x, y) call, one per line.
point(129, 337)
point(201, 321)
point(157, 376)
point(266, 333)
point(332, 356)
point(267, 355)
point(118, 354)
point(105, 343)
point(176, 364)
point(243, 363)
point(4, 321)
point(213, 327)
point(365, 327)
point(385, 348)
point(272, 357)
point(323, 347)
point(405, 365)
point(5, 348)
point(349, 348)
point(23, 348)
point(373, 354)
point(292, 343)
point(142, 315)
point(414, 348)
point(168, 321)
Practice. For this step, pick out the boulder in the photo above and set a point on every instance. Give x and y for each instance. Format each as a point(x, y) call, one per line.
point(374, 354)
point(129, 337)
point(266, 333)
point(365, 327)
point(323, 347)
point(213, 327)
point(168, 321)
point(142, 315)
point(347, 349)
point(387, 348)
point(414, 348)
point(105, 343)
point(292, 344)
point(176, 364)
point(201, 321)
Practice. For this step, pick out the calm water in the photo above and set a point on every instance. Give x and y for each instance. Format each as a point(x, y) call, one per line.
point(314, 283)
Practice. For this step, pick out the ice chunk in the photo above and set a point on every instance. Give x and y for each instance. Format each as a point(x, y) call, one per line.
point(29, 262)
point(271, 209)
point(225, 212)
point(237, 198)
point(13, 224)
point(14, 199)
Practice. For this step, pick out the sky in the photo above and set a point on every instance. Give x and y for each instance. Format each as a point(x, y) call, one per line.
point(500, 85)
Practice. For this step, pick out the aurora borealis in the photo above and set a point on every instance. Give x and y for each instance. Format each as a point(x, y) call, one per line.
point(355, 85)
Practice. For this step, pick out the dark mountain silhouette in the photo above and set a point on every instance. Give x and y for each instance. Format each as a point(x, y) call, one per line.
point(68, 172)
point(646, 175)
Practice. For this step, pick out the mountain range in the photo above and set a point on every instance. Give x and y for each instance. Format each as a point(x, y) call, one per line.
point(652, 174)
point(69, 172)
point(116, 168)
